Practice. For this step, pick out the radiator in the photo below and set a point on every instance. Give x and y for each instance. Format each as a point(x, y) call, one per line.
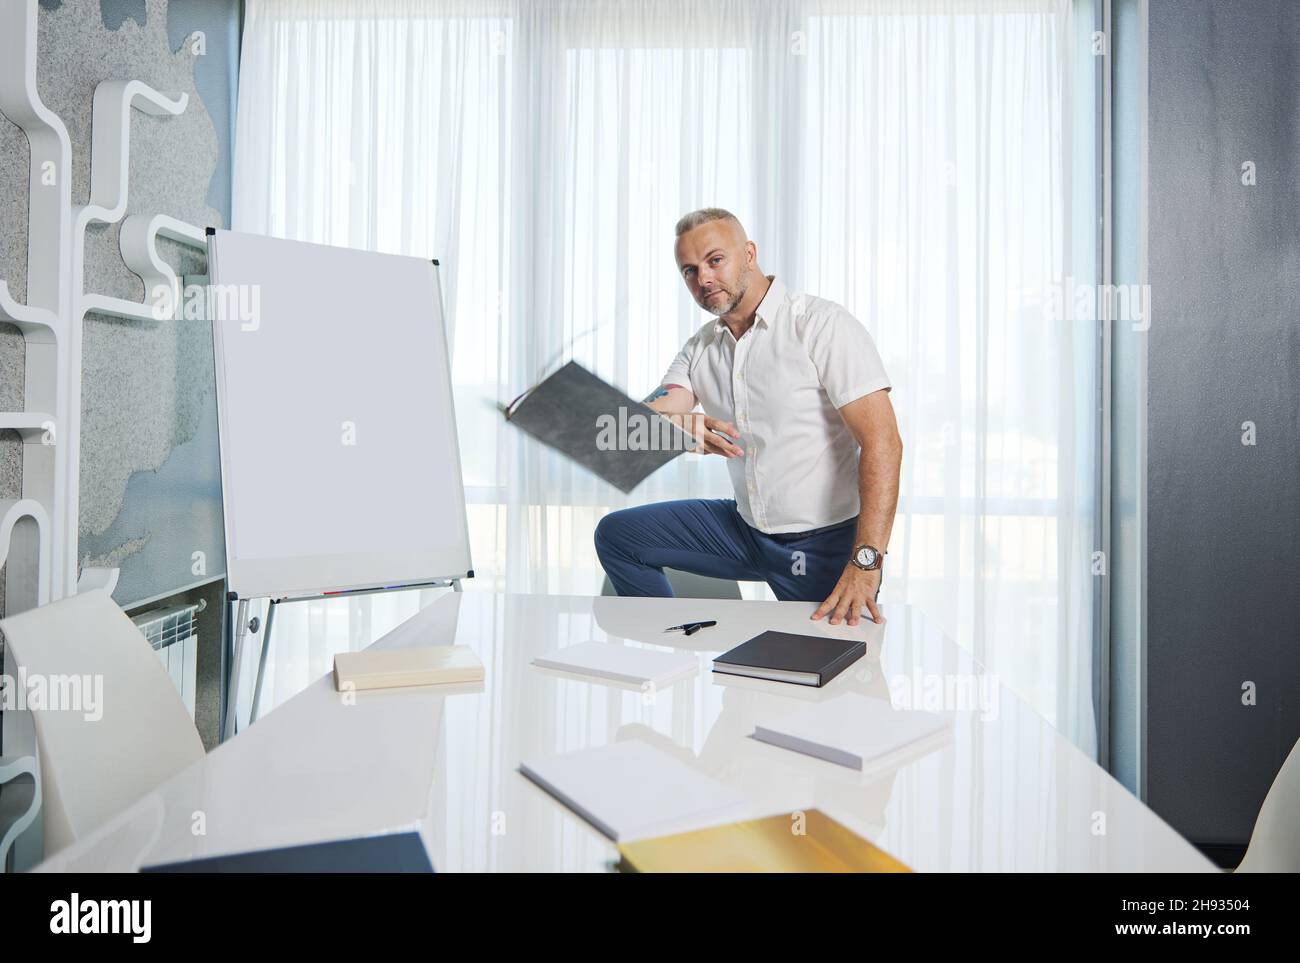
point(173, 631)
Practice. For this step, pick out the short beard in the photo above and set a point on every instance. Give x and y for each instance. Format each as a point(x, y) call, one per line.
point(742, 285)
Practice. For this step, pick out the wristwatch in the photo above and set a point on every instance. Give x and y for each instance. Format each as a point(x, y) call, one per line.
point(868, 557)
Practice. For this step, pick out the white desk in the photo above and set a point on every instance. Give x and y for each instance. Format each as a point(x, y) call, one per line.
point(1002, 793)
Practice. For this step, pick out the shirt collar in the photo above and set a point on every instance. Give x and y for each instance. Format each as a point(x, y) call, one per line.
point(766, 312)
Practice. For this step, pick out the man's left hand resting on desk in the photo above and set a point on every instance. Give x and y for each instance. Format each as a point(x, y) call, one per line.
point(871, 419)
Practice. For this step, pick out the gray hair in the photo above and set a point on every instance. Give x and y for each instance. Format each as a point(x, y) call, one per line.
point(704, 215)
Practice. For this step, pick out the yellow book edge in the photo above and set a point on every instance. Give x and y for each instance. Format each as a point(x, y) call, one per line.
point(801, 842)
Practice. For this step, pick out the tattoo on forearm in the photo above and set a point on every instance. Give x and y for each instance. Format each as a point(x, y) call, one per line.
point(660, 392)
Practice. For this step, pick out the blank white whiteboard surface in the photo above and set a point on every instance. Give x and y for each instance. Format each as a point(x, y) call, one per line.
point(340, 466)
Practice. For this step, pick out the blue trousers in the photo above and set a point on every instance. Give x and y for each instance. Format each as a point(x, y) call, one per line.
point(708, 537)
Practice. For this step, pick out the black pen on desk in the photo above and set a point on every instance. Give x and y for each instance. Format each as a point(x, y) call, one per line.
point(690, 628)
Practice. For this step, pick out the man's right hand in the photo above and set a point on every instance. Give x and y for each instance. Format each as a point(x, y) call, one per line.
point(705, 430)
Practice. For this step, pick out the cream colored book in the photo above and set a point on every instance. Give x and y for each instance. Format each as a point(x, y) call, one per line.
point(409, 665)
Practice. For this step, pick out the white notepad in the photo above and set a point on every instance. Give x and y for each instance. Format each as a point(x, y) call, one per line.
point(621, 663)
point(631, 790)
point(851, 730)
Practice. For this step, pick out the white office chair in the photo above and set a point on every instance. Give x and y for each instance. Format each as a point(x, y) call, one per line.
point(1275, 843)
point(93, 768)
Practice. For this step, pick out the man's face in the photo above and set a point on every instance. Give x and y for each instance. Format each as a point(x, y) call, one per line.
point(715, 261)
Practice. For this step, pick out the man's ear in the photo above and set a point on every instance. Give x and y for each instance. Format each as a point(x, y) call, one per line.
point(751, 250)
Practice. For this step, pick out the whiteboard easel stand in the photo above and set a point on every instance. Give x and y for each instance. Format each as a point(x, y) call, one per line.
point(233, 644)
point(243, 625)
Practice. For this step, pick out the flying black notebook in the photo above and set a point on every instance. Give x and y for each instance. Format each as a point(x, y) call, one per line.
point(786, 657)
point(618, 439)
point(389, 853)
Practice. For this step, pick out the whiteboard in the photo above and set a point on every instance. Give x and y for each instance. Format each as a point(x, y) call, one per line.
point(340, 466)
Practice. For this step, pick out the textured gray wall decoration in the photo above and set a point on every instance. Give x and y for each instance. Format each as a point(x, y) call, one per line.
point(1224, 522)
point(150, 490)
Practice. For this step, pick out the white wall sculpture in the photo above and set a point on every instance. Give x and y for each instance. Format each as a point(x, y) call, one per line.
point(39, 531)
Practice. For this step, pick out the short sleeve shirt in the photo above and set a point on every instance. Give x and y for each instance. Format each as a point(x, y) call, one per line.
point(781, 385)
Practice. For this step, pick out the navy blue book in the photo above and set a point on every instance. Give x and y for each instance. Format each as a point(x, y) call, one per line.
point(394, 853)
point(787, 657)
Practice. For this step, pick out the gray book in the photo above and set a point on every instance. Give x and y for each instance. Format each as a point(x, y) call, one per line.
point(602, 429)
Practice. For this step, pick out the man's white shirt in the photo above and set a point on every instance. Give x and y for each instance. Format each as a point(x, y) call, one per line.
point(781, 385)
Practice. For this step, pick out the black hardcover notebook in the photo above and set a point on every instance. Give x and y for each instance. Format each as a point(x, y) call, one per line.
point(787, 657)
point(393, 853)
point(598, 426)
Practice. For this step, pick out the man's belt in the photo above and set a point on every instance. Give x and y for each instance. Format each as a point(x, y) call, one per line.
point(796, 536)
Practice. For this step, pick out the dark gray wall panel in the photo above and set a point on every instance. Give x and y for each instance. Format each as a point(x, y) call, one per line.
point(1224, 522)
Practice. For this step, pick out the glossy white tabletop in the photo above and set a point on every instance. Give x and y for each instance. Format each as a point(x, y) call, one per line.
point(1002, 791)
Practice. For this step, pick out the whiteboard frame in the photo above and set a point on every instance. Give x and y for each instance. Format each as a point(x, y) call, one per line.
point(266, 578)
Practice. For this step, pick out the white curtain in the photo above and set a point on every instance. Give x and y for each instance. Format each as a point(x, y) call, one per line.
point(927, 163)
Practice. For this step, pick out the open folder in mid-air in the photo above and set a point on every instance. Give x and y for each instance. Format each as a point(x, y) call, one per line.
point(592, 422)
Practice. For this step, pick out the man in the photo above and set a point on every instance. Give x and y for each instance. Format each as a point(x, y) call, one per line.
point(796, 399)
